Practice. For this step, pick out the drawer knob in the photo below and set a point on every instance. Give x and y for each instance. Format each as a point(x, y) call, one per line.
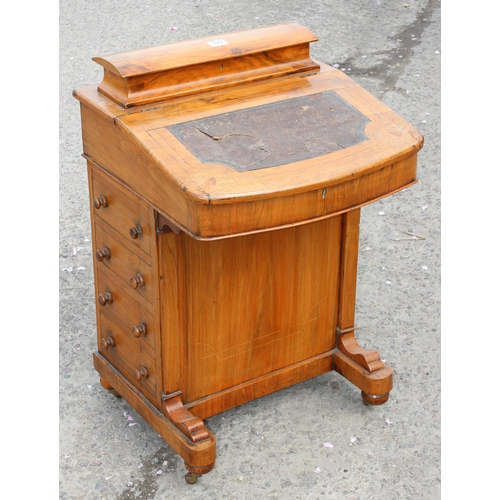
point(135, 232)
point(105, 298)
point(109, 342)
point(139, 330)
point(100, 255)
point(142, 373)
point(136, 281)
point(100, 202)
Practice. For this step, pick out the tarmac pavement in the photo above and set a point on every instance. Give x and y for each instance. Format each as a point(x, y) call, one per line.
point(317, 439)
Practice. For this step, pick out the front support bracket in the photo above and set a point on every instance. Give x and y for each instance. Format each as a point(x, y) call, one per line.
point(191, 426)
point(362, 367)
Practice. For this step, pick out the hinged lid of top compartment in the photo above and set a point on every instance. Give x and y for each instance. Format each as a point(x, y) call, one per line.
point(163, 72)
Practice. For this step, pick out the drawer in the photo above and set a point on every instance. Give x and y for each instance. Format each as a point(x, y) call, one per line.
point(123, 210)
point(115, 254)
point(132, 310)
point(127, 355)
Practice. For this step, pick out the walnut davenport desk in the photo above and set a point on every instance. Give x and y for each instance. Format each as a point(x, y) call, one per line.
point(226, 178)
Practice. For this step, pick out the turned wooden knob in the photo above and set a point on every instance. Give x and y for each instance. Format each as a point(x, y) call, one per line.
point(100, 255)
point(100, 202)
point(135, 232)
point(136, 281)
point(109, 342)
point(139, 330)
point(105, 298)
point(142, 373)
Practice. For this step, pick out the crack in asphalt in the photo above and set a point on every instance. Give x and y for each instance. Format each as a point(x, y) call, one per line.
point(394, 61)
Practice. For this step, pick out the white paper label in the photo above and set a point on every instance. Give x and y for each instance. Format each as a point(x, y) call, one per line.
point(216, 43)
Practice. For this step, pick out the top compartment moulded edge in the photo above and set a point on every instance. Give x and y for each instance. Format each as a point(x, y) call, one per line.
point(178, 69)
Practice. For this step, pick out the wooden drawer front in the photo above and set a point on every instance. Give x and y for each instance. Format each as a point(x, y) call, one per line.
point(114, 254)
point(125, 211)
point(127, 355)
point(131, 309)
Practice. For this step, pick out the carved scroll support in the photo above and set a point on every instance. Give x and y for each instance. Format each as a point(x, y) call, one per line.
point(363, 367)
point(367, 358)
point(191, 426)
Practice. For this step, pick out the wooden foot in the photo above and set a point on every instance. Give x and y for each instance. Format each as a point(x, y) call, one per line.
point(191, 426)
point(109, 388)
point(371, 399)
point(375, 386)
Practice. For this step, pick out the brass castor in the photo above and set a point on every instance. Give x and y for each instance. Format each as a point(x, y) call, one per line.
point(191, 477)
point(371, 399)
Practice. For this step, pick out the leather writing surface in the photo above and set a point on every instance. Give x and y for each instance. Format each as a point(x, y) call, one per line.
point(274, 134)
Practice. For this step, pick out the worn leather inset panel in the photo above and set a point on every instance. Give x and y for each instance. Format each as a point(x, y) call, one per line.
point(274, 134)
